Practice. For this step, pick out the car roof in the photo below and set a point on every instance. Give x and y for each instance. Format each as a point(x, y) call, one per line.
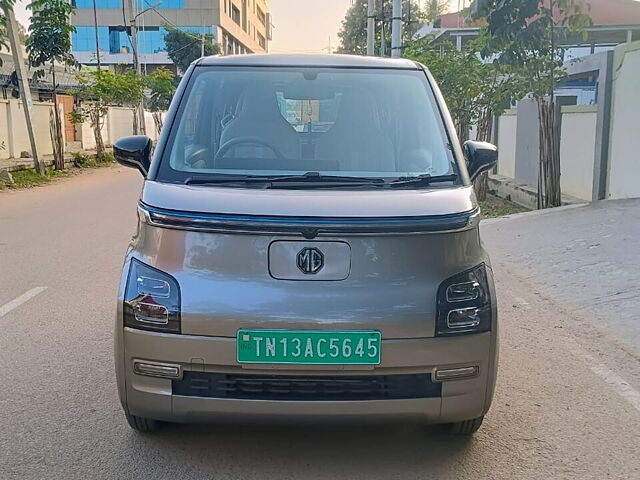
point(338, 61)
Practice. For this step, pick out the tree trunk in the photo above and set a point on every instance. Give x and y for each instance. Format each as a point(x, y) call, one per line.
point(462, 129)
point(549, 193)
point(56, 135)
point(136, 127)
point(96, 123)
point(485, 130)
point(157, 119)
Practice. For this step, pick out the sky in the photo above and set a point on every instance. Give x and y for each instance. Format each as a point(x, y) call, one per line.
point(22, 14)
point(306, 26)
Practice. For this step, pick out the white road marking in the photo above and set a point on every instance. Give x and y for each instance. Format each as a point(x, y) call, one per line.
point(619, 384)
point(16, 302)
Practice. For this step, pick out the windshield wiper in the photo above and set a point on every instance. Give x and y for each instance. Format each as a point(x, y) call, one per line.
point(308, 179)
point(423, 180)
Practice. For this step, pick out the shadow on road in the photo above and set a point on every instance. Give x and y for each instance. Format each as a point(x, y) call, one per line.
point(309, 450)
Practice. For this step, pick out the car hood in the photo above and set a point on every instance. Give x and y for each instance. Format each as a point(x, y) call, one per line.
point(309, 203)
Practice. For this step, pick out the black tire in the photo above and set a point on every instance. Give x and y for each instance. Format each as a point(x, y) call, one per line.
point(144, 425)
point(466, 427)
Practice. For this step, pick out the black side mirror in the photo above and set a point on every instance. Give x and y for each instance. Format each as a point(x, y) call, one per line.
point(134, 152)
point(481, 156)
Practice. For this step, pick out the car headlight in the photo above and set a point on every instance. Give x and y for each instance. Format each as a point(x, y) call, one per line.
point(152, 299)
point(464, 303)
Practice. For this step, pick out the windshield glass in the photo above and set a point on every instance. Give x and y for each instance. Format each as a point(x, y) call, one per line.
point(347, 123)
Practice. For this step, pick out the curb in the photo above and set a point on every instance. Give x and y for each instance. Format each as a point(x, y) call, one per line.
point(533, 213)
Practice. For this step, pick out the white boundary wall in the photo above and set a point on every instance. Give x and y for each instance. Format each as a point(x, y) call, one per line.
point(507, 124)
point(118, 123)
point(577, 150)
point(13, 128)
point(624, 153)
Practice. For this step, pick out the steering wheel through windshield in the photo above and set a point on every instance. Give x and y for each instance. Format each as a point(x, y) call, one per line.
point(247, 141)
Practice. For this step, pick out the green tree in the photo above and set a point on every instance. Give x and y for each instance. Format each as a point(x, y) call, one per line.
point(524, 36)
point(184, 47)
point(100, 89)
point(353, 33)
point(49, 43)
point(161, 84)
point(130, 92)
point(475, 91)
point(459, 74)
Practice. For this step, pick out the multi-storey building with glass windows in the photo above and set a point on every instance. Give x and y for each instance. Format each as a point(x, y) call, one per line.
point(238, 26)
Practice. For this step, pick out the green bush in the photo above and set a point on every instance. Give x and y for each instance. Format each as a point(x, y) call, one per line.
point(82, 160)
point(107, 157)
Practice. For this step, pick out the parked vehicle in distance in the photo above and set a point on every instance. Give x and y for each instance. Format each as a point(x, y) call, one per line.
point(307, 247)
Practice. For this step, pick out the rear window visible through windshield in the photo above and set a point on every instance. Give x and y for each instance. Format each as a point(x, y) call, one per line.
point(285, 121)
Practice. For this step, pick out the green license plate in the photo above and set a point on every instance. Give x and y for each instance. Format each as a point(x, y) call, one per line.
point(310, 347)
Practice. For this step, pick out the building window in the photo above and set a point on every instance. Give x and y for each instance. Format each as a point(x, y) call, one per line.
point(151, 39)
point(116, 40)
point(235, 14)
point(84, 39)
point(99, 3)
point(119, 40)
point(261, 41)
point(261, 16)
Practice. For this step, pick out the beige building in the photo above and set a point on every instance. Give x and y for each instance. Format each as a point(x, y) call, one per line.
point(238, 26)
point(244, 26)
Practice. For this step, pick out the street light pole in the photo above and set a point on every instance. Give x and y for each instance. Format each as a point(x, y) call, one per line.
point(136, 62)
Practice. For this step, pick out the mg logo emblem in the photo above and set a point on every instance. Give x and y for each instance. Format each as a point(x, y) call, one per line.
point(310, 260)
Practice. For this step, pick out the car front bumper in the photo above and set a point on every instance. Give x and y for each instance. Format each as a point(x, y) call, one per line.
point(153, 397)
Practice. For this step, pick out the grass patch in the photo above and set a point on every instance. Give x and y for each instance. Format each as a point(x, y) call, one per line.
point(84, 160)
point(30, 178)
point(499, 207)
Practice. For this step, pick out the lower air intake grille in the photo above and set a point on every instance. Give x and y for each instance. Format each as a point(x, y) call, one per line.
point(306, 388)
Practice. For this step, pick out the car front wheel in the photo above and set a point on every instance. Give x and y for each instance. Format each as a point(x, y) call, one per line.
point(466, 427)
point(142, 424)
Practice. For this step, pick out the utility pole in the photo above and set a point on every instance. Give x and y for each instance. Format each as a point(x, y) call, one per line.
point(95, 29)
point(383, 34)
point(136, 62)
point(23, 84)
point(396, 29)
point(202, 37)
point(371, 27)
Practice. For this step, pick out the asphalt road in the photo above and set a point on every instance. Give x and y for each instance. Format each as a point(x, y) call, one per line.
point(567, 403)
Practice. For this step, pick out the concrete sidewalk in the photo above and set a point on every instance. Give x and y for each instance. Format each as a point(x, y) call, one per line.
point(587, 257)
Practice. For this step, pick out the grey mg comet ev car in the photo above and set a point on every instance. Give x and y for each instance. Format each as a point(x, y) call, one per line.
point(307, 247)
